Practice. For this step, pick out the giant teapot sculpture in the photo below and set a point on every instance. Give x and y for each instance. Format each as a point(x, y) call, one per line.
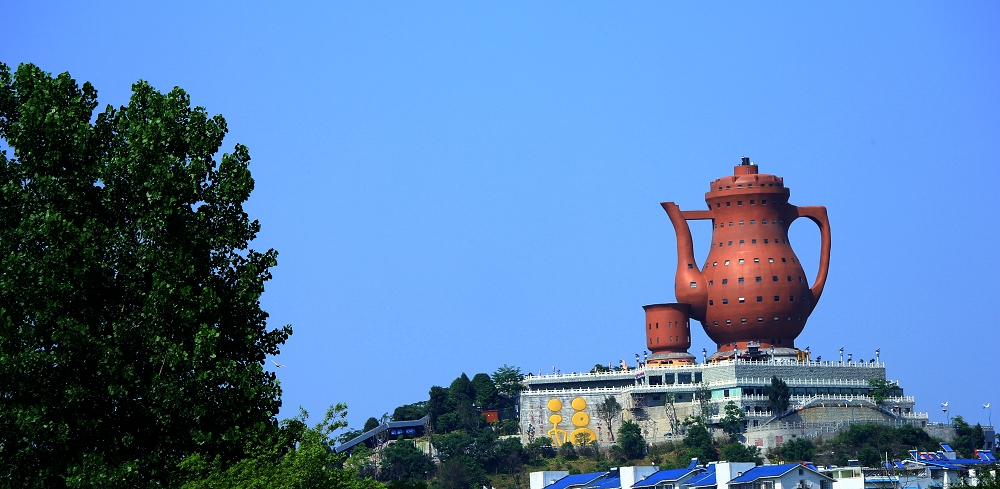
point(751, 292)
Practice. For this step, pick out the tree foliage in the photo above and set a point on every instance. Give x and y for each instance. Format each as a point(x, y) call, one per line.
point(967, 438)
point(131, 333)
point(485, 390)
point(403, 461)
point(778, 396)
point(897, 441)
point(508, 380)
point(738, 452)
point(410, 412)
point(609, 411)
point(881, 389)
point(795, 450)
point(630, 442)
point(732, 423)
point(312, 463)
point(699, 441)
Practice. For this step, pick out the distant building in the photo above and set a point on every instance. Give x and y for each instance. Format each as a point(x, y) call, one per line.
point(825, 397)
point(386, 432)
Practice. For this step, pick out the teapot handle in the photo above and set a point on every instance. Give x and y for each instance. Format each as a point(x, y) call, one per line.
point(818, 215)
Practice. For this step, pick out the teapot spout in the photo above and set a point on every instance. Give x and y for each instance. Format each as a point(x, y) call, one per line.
point(690, 285)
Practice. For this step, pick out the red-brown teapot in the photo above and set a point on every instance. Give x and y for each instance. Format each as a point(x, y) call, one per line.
point(752, 287)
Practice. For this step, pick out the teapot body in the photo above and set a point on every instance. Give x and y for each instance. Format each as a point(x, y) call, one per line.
point(757, 289)
point(751, 288)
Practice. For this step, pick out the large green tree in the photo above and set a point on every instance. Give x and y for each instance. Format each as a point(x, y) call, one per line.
point(630, 442)
point(131, 333)
point(778, 396)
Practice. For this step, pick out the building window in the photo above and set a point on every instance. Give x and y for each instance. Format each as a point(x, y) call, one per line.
point(741, 261)
point(758, 280)
point(741, 223)
point(751, 202)
point(760, 298)
point(791, 298)
point(711, 302)
point(775, 319)
point(725, 301)
point(694, 285)
point(690, 265)
point(765, 241)
point(753, 241)
point(764, 202)
point(742, 300)
point(740, 280)
point(760, 320)
point(714, 263)
point(710, 282)
point(729, 321)
point(725, 393)
point(725, 281)
point(726, 263)
point(730, 224)
point(739, 202)
point(753, 221)
point(756, 260)
point(777, 298)
point(742, 242)
point(715, 323)
point(743, 320)
point(770, 260)
point(782, 260)
point(717, 205)
point(730, 243)
point(774, 278)
point(727, 203)
point(789, 278)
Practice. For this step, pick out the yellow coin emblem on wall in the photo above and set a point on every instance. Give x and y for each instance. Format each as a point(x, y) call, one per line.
point(555, 419)
point(555, 405)
point(581, 419)
point(579, 404)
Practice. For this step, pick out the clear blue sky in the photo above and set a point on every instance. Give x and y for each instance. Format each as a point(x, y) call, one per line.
point(455, 186)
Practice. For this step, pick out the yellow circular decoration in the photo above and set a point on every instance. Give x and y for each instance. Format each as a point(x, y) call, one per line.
point(555, 405)
point(555, 419)
point(579, 404)
point(588, 433)
point(581, 419)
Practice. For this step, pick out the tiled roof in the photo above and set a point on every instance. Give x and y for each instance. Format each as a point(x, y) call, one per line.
point(575, 480)
point(770, 471)
point(662, 476)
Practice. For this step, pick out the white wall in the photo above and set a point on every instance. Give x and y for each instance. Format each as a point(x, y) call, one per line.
point(629, 475)
point(538, 480)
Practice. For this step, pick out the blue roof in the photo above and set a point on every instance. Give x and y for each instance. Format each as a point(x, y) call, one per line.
point(706, 479)
point(606, 483)
point(766, 471)
point(575, 480)
point(663, 476)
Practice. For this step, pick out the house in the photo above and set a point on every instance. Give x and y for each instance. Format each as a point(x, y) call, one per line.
point(546, 480)
point(787, 476)
point(717, 475)
point(668, 479)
